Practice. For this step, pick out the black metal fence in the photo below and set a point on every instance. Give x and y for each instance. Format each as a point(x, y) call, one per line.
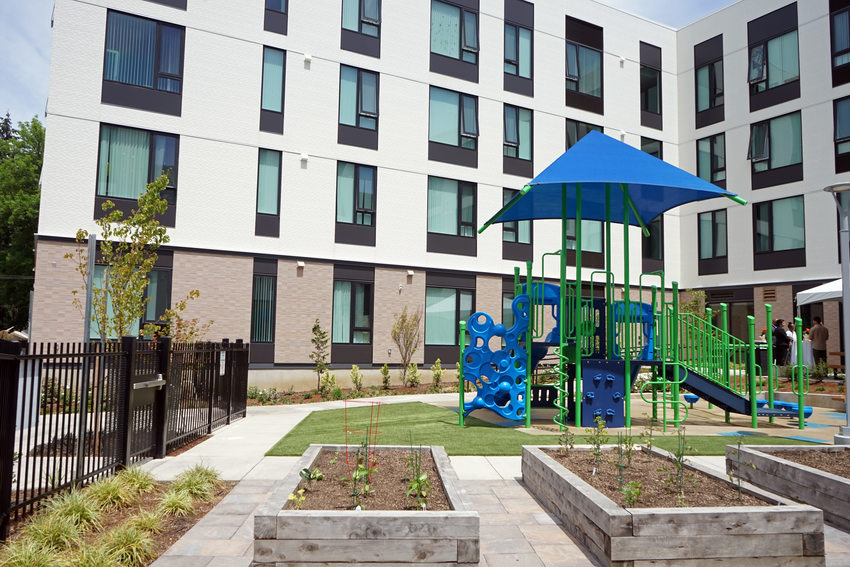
point(71, 413)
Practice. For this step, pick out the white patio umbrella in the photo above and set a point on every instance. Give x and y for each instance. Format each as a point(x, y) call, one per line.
point(823, 292)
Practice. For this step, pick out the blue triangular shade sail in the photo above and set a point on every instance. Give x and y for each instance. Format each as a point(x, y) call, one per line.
point(654, 186)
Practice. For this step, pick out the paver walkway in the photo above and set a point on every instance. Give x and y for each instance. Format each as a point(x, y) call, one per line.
point(515, 529)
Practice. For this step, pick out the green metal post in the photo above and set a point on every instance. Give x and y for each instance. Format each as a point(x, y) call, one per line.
point(768, 335)
point(724, 325)
point(577, 305)
point(674, 386)
point(655, 310)
point(709, 313)
point(609, 279)
point(563, 328)
point(460, 385)
point(627, 355)
point(751, 326)
point(529, 338)
point(799, 372)
point(517, 285)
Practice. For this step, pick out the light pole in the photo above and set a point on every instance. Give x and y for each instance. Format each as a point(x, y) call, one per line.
point(841, 193)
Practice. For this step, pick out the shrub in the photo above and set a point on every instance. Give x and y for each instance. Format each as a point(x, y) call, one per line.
point(110, 494)
point(337, 394)
point(385, 376)
point(406, 336)
point(130, 546)
point(52, 531)
point(356, 378)
point(319, 356)
point(83, 511)
point(414, 377)
point(437, 372)
point(137, 479)
point(327, 384)
point(176, 503)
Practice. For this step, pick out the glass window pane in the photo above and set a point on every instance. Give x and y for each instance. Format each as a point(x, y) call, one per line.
point(783, 62)
point(170, 50)
point(351, 15)
point(840, 32)
point(263, 309)
point(366, 190)
point(470, 116)
point(719, 166)
point(372, 10)
point(159, 285)
point(524, 134)
point(510, 43)
point(276, 5)
point(524, 232)
point(572, 60)
point(445, 29)
point(165, 158)
point(720, 232)
point(130, 50)
point(465, 306)
point(511, 136)
point(272, 79)
point(345, 192)
point(763, 227)
point(268, 182)
point(341, 328)
point(369, 93)
point(124, 161)
point(758, 142)
point(362, 309)
point(525, 53)
point(717, 68)
point(786, 141)
point(702, 88)
point(442, 205)
point(650, 89)
point(590, 63)
point(348, 95)
point(789, 229)
point(444, 117)
point(706, 238)
point(470, 31)
point(757, 63)
point(467, 203)
point(842, 119)
point(591, 236)
point(704, 158)
point(440, 317)
point(507, 310)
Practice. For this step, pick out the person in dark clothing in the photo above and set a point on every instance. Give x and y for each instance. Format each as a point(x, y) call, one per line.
point(781, 342)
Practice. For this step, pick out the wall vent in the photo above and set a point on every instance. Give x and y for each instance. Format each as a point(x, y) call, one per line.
point(769, 294)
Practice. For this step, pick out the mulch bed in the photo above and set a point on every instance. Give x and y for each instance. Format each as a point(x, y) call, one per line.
point(655, 474)
point(286, 398)
point(837, 463)
point(389, 483)
point(835, 388)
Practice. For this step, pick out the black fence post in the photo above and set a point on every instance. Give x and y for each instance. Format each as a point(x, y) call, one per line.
point(9, 372)
point(160, 405)
point(227, 377)
point(129, 348)
point(210, 351)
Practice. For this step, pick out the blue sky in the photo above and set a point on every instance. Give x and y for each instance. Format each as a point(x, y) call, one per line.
point(25, 44)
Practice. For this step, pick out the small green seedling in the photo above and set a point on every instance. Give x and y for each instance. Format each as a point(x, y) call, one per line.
point(298, 498)
point(310, 475)
point(632, 493)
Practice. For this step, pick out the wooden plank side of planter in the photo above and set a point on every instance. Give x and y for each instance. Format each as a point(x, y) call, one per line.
point(375, 524)
point(359, 564)
point(750, 562)
point(265, 518)
point(378, 551)
point(710, 546)
point(729, 521)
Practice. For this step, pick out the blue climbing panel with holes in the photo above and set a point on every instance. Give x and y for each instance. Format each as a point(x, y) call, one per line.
point(602, 384)
point(499, 376)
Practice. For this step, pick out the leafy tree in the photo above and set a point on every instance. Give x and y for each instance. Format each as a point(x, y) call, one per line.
point(319, 356)
point(406, 336)
point(695, 305)
point(21, 157)
point(127, 248)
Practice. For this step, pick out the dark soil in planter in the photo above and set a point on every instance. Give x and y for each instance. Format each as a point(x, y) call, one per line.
point(389, 483)
point(833, 462)
point(656, 476)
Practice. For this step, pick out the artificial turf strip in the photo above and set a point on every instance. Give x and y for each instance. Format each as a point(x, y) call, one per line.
point(431, 425)
point(428, 425)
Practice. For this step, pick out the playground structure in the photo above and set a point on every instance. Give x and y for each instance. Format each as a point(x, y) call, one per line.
point(601, 343)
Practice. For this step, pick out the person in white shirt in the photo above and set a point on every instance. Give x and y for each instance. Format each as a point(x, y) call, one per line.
point(792, 348)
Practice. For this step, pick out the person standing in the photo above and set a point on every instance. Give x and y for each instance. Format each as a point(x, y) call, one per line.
point(780, 342)
point(792, 346)
point(819, 335)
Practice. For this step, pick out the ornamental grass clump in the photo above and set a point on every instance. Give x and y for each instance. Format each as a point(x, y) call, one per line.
point(176, 503)
point(111, 494)
point(130, 546)
point(27, 553)
point(200, 482)
point(146, 521)
point(92, 556)
point(52, 531)
point(78, 507)
point(137, 479)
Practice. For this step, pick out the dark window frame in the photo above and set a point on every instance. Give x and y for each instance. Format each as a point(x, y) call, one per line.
point(358, 40)
point(361, 19)
point(464, 46)
point(369, 298)
point(457, 243)
point(716, 263)
point(644, 140)
point(268, 224)
point(713, 167)
point(272, 120)
point(760, 31)
point(451, 153)
point(650, 63)
point(773, 175)
point(716, 97)
point(765, 76)
point(842, 159)
point(357, 134)
point(458, 66)
point(276, 21)
point(774, 259)
point(357, 210)
point(840, 73)
point(578, 124)
point(651, 262)
point(515, 62)
point(590, 36)
point(458, 291)
point(263, 351)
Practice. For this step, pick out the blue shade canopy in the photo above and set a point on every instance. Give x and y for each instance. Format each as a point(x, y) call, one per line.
point(653, 186)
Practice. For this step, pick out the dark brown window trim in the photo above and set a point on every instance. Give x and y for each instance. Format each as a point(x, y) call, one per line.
point(354, 136)
point(271, 121)
point(168, 218)
point(451, 244)
point(708, 51)
point(517, 251)
point(516, 166)
point(780, 259)
point(179, 4)
point(588, 259)
point(710, 266)
point(457, 280)
point(360, 43)
point(652, 264)
point(264, 352)
point(651, 120)
point(584, 33)
point(710, 116)
point(261, 353)
point(358, 234)
point(842, 161)
point(452, 67)
point(778, 176)
point(352, 273)
point(267, 225)
point(452, 154)
point(776, 95)
point(519, 85)
point(586, 102)
point(520, 12)
point(276, 22)
point(351, 353)
point(841, 75)
point(141, 98)
point(447, 354)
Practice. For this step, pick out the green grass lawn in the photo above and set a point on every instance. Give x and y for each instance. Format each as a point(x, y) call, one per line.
point(431, 425)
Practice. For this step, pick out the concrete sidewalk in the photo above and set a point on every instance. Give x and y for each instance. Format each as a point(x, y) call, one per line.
point(515, 529)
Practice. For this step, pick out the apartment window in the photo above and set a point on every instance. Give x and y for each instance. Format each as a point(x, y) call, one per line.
point(271, 105)
point(352, 312)
point(840, 35)
point(358, 107)
point(517, 148)
point(592, 243)
point(653, 246)
point(776, 151)
point(779, 233)
point(507, 309)
point(517, 51)
point(451, 216)
point(519, 42)
point(275, 19)
point(774, 62)
point(708, 64)
point(577, 130)
point(453, 127)
point(143, 64)
point(361, 26)
point(516, 235)
point(267, 222)
point(711, 159)
point(652, 147)
point(650, 86)
point(584, 65)
point(454, 39)
point(842, 135)
point(128, 160)
point(444, 308)
point(355, 203)
point(263, 310)
point(711, 227)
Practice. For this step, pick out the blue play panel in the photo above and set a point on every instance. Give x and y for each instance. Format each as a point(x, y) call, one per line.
point(744, 433)
point(809, 439)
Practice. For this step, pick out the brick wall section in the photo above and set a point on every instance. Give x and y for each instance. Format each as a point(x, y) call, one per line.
point(783, 306)
point(831, 317)
point(54, 317)
point(488, 298)
point(225, 283)
point(303, 294)
point(389, 300)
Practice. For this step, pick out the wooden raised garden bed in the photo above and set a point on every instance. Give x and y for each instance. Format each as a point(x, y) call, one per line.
point(285, 536)
point(765, 467)
point(762, 536)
